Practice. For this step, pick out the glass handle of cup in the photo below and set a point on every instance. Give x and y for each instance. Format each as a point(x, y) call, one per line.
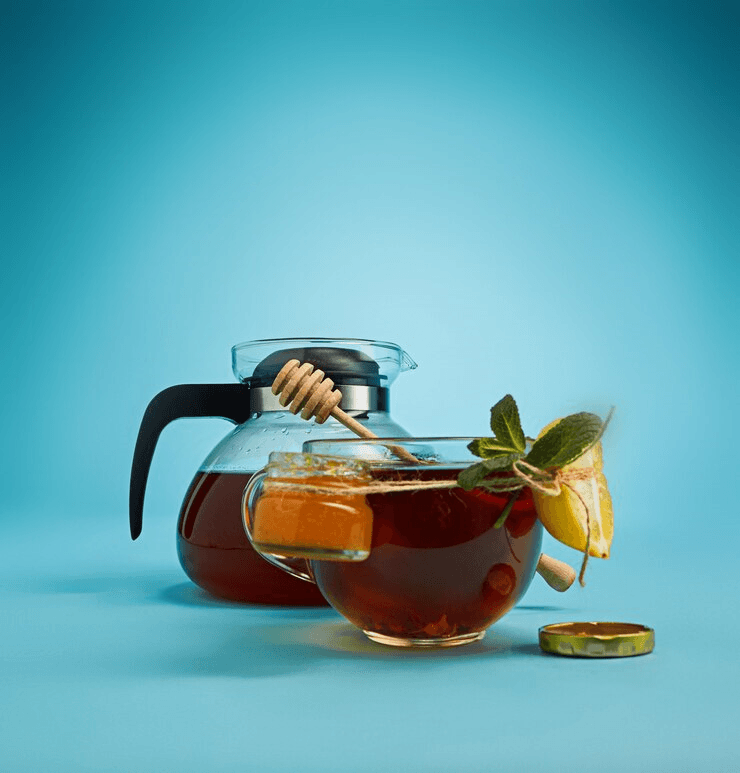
point(298, 567)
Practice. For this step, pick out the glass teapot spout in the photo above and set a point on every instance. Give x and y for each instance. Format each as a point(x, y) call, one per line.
point(407, 363)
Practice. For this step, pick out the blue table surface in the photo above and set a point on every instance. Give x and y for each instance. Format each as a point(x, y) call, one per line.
point(111, 660)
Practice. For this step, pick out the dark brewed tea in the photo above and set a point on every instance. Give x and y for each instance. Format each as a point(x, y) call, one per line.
point(437, 566)
point(216, 555)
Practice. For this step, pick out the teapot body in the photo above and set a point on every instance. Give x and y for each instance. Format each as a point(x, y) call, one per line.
point(211, 544)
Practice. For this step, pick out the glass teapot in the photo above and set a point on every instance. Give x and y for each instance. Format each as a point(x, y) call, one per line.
point(211, 544)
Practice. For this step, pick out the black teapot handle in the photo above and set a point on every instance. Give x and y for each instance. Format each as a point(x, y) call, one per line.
point(226, 401)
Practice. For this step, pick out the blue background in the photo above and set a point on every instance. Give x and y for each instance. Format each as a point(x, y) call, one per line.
point(538, 198)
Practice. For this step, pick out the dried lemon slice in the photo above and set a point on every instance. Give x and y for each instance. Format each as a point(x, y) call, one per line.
point(581, 515)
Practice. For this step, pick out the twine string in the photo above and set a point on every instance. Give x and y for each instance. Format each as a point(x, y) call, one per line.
point(582, 573)
point(349, 489)
point(525, 474)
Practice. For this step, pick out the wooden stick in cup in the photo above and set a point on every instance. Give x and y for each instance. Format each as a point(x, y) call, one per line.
point(557, 574)
point(304, 388)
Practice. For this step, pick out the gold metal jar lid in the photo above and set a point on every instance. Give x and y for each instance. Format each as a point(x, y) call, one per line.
point(597, 640)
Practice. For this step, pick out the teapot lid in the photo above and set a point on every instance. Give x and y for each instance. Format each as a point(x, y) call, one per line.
point(347, 361)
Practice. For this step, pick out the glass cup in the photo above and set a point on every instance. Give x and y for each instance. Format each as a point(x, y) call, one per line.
point(391, 541)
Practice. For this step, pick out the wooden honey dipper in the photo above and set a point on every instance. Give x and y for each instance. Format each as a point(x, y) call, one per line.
point(304, 388)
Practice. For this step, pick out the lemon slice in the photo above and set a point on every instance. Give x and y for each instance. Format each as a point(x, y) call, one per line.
point(584, 504)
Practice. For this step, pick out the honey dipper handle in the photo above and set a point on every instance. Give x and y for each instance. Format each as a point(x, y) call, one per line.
point(352, 424)
point(557, 574)
point(363, 431)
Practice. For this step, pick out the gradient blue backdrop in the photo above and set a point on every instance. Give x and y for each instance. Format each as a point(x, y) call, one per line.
point(530, 197)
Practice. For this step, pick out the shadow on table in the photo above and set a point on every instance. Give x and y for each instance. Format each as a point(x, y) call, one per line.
point(186, 594)
point(120, 588)
point(114, 586)
point(214, 638)
point(302, 646)
point(271, 641)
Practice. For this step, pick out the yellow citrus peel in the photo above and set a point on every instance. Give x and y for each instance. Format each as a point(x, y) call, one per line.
point(581, 515)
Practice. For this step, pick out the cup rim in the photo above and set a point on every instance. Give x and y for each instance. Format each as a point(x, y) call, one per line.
point(455, 449)
point(394, 439)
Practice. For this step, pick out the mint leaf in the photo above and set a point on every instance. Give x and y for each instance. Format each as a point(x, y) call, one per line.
point(474, 475)
point(471, 476)
point(506, 425)
point(487, 447)
point(566, 441)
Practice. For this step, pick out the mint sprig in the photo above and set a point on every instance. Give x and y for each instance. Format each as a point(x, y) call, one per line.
point(562, 444)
